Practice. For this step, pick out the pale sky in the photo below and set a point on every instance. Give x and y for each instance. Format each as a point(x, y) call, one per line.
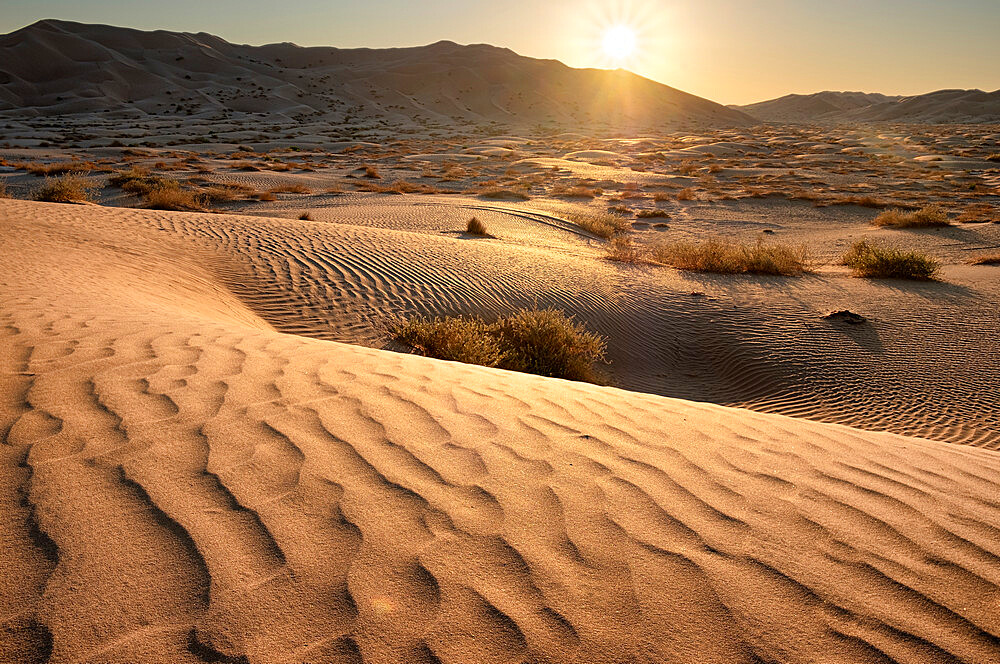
point(730, 51)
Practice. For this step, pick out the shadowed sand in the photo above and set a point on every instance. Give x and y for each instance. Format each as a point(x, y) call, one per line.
point(182, 483)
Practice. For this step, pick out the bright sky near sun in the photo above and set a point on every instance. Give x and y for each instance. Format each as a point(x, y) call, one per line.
point(730, 51)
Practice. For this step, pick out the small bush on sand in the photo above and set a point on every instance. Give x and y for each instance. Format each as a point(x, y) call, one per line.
point(994, 157)
point(305, 216)
point(263, 196)
point(371, 172)
point(476, 227)
point(66, 189)
point(601, 224)
point(686, 194)
point(623, 250)
point(733, 258)
point(651, 214)
point(932, 215)
point(58, 168)
point(139, 181)
point(169, 197)
point(881, 261)
point(546, 342)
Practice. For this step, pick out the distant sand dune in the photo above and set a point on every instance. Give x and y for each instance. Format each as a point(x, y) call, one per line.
point(182, 483)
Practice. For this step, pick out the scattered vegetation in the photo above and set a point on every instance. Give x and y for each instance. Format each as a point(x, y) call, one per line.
point(371, 172)
point(652, 214)
point(686, 194)
point(305, 216)
point(733, 258)
point(925, 217)
point(868, 258)
point(173, 197)
point(546, 342)
point(994, 157)
point(69, 188)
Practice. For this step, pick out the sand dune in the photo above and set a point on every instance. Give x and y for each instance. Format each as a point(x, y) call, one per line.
point(61, 67)
point(181, 482)
point(940, 107)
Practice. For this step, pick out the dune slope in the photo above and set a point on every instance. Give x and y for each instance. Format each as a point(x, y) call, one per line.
point(62, 67)
point(182, 483)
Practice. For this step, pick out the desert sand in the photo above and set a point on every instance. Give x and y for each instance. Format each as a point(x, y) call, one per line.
point(214, 448)
point(183, 482)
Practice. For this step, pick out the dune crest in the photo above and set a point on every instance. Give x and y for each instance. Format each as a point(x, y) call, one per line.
point(183, 483)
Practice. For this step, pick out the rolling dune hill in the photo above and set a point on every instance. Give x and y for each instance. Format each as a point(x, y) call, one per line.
point(940, 107)
point(59, 67)
point(189, 474)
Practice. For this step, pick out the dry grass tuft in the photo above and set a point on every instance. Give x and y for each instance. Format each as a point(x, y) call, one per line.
point(264, 196)
point(476, 227)
point(305, 216)
point(929, 216)
point(652, 214)
point(546, 342)
point(601, 224)
point(994, 157)
point(881, 261)
point(371, 172)
point(70, 188)
point(733, 258)
point(499, 193)
point(623, 250)
point(686, 194)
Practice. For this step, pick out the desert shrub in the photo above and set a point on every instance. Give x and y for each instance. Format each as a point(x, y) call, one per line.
point(874, 259)
point(932, 215)
point(546, 342)
point(305, 216)
point(623, 250)
point(985, 259)
point(371, 172)
point(994, 157)
point(686, 194)
point(139, 181)
point(651, 214)
point(462, 339)
point(69, 188)
point(476, 227)
point(686, 167)
point(263, 196)
point(601, 224)
point(172, 197)
point(733, 257)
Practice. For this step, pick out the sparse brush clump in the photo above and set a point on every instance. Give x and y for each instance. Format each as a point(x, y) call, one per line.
point(623, 250)
point(686, 194)
point(292, 188)
point(881, 261)
point(172, 197)
point(985, 259)
point(651, 214)
point(500, 193)
point(371, 172)
point(994, 157)
point(66, 189)
point(600, 224)
point(733, 257)
point(476, 227)
point(546, 342)
point(138, 181)
point(929, 216)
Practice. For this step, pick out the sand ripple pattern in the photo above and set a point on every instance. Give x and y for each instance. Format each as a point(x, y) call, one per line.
point(180, 483)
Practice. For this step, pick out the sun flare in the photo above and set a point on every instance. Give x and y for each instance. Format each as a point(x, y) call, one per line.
point(619, 42)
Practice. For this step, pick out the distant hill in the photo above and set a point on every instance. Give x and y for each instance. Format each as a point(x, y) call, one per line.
point(943, 106)
point(60, 67)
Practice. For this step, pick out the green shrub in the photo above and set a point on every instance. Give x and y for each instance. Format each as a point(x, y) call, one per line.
point(881, 261)
point(546, 342)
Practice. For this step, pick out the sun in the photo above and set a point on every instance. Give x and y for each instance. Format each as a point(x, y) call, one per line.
point(619, 42)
